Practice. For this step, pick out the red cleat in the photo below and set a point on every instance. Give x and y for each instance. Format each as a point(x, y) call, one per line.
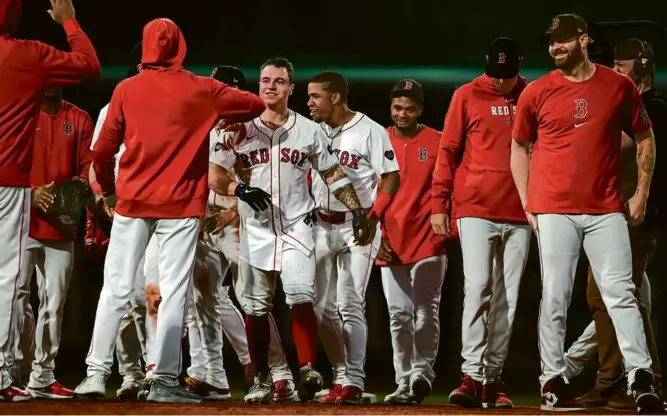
point(468, 394)
point(54, 390)
point(14, 394)
point(284, 391)
point(350, 395)
point(493, 398)
point(334, 392)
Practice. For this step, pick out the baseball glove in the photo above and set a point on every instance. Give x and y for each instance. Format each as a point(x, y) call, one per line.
point(70, 198)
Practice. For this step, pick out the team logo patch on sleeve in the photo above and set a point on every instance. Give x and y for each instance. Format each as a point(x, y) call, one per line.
point(389, 154)
point(645, 118)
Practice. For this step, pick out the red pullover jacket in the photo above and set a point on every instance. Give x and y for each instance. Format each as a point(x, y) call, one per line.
point(479, 124)
point(164, 116)
point(62, 144)
point(25, 68)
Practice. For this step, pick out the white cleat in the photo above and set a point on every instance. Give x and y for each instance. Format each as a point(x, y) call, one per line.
point(93, 386)
point(260, 392)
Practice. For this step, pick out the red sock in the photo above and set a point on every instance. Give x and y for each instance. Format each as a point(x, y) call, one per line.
point(258, 333)
point(304, 332)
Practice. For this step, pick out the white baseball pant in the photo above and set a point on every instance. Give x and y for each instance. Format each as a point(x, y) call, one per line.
point(607, 245)
point(177, 241)
point(53, 261)
point(151, 276)
point(494, 257)
point(585, 347)
point(131, 341)
point(14, 227)
point(413, 298)
point(343, 270)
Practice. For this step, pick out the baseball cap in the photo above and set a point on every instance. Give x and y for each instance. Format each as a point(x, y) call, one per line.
point(503, 59)
point(408, 88)
point(229, 75)
point(566, 26)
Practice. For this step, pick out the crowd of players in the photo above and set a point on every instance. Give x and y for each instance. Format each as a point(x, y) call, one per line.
point(316, 203)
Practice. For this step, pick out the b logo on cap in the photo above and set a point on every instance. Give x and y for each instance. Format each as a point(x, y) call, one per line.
point(501, 58)
point(408, 85)
point(555, 23)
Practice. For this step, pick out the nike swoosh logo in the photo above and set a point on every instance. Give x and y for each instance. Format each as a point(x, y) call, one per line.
point(577, 125)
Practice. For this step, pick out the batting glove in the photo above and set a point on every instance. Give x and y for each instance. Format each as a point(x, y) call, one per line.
point(255, 197)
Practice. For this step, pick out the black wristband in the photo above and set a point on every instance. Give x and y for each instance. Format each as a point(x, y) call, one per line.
point(240, 189)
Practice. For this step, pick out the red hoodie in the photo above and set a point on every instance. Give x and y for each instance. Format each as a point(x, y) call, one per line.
point(25, 68)
point(479, 124)
point(164, 116)
point(62, 143)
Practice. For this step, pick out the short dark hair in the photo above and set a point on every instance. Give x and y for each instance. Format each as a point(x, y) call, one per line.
point(135, 61)
point(279, 62)
point(332, 82)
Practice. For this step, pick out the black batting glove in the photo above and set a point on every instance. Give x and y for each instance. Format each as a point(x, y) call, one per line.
point(255, 197)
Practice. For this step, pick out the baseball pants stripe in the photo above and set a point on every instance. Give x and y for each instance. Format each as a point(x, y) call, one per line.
point(53, 262)
point(607, 245)
point(494, 258)
point(413, 298)
point(14, 227)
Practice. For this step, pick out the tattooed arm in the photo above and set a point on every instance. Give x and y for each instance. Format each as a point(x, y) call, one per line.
point(645, 162)
point(341, 187)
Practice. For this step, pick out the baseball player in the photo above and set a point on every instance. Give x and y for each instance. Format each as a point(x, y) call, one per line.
point(412, 256)
point(344, 262)
point(492, 226)
point(162, 115)
point(27, 67)
point(578, 111)
point(634, 58)
point(277, 155)
point(62, 140)
point(217, 253)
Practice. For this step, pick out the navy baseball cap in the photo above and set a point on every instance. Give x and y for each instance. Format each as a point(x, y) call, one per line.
point(503, 59)
point(565, 27)
point(408, 88)
point(229, 75)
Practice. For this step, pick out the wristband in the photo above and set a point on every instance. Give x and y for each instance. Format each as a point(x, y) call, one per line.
point(339, 184)
point(381, 204)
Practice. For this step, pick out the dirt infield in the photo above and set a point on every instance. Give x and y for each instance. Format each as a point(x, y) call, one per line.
point(83, 406)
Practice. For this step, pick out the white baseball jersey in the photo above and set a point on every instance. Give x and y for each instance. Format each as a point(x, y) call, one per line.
point(96, 134)
point(217, 142)
point(278, 161)
point(365, 153)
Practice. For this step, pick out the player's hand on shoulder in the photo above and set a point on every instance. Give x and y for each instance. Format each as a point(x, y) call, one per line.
point(385, 253)
point(42, 197)
point(239, 130)
point(257, 198)
point(440, 224)
point(61, 10)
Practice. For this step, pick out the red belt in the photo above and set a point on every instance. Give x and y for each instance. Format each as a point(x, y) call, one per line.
point(333, 217)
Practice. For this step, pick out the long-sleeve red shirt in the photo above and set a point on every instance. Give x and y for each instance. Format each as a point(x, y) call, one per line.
point(62, 151)
point(164, 116)
point(25, 68)
point(479, 124)
point(407, 221)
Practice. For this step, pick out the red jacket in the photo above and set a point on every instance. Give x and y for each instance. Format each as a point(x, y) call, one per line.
point(25, 68)
point(62, 143)
point(407, 222)
point(164, 116)
point(479, 124)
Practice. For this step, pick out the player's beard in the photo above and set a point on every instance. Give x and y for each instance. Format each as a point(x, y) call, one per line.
point(573, 59)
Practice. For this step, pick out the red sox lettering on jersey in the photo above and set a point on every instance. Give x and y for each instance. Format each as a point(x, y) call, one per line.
point(278, 161)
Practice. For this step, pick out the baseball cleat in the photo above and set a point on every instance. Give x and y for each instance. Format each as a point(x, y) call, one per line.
point(145, 389)
point(468, 394)
point(93, 387)
point(54, 390)
point(260, 392)
point(248, 378)
point(648, 401)
point(284, 391)
point(193, 385)
point(420, 387)
point(401, 396)
point(556, 397)
point(350, 395)
point(329, 396)
point(14, 394)
point(311, 383)
point(161, 393)
point(211, 393)
point(129, 390)
point(492, 398)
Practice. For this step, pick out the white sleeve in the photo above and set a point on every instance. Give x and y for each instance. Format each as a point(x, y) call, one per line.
point(98, 126)
point(382, 156)
point(217, 145)
point(321, 157)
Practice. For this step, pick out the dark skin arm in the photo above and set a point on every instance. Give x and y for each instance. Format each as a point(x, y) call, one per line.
point(389, 183)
